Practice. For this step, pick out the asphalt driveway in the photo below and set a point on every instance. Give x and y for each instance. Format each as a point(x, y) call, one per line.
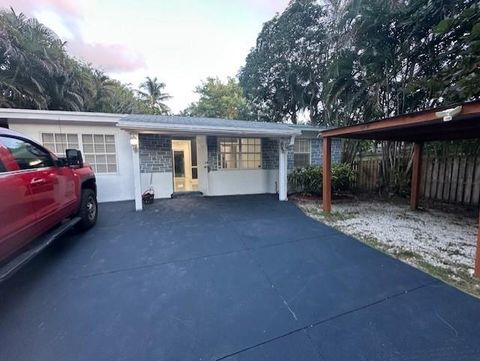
point(233, 278)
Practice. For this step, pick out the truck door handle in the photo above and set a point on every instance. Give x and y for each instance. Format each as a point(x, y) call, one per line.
point(37, 181)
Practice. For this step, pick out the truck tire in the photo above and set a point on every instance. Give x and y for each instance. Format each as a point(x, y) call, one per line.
point(88, 211)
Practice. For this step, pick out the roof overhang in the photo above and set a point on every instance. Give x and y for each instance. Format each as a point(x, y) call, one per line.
point(428, 125)
point(121, 121)
point(55, 116)
point(190, 130)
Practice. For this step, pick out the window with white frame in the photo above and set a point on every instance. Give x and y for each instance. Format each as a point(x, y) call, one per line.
point(301, 156)
point(240, 153)
point(99, 151)
point(59, 142)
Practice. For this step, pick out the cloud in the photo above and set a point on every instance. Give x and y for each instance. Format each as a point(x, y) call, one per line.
point(110, 57)
point(67, 7)
point(65, 17)
point(267, 7)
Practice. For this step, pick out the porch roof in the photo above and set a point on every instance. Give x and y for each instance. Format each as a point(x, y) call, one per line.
point(206, 126)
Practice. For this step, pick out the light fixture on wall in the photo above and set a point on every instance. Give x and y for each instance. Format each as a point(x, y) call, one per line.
point(134, 141)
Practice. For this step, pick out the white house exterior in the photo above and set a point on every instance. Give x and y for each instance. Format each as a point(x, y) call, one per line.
point(133, 153)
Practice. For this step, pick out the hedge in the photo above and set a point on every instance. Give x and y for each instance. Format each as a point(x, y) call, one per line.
point(309, 179)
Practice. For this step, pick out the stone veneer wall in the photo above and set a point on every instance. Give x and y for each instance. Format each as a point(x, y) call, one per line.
point(155, 153)
point(316, 153)
point(269, 153)
point(336, 150)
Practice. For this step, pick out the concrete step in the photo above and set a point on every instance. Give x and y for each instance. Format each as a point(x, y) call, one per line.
point(186, 194)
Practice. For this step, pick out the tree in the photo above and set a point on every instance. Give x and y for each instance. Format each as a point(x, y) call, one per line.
point(36, 72)
point(360, 60)
point(282, 74)
point(30, 56)
point(220, 100)
point(151, 92)
point(402, 57)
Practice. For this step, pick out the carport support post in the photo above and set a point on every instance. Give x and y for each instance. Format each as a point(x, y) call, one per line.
point(136, 171)
point(282, 169)
point(477, 257)
point(416, 174)
point(327, 174)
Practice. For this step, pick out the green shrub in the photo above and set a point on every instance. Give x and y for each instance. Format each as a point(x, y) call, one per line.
point(343, 177)
point(309, 179)
point(306, 180)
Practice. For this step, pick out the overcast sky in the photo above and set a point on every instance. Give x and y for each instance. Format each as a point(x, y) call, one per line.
point(179, 41)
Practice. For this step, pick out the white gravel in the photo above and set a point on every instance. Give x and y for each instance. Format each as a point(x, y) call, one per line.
point(442, 239)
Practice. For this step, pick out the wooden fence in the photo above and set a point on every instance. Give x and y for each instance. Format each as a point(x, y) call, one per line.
point(453, 179)
point(367, 174)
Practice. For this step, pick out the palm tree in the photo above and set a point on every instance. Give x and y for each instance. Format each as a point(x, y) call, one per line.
point(152, 94)
point(30, 56)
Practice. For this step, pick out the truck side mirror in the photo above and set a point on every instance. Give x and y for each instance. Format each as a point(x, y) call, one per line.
point(74, 157)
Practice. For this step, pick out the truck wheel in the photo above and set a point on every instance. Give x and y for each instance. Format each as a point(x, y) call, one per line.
point(88, 209)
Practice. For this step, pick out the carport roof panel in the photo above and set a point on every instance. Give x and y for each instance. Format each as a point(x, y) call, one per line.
point(420, 126)
point(204, 125)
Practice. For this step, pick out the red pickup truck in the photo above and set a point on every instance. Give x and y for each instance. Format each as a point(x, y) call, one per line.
point(38, 191)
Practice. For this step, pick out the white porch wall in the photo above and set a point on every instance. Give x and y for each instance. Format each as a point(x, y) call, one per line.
point(162, 183)
point(111, 187)
point(242, 181)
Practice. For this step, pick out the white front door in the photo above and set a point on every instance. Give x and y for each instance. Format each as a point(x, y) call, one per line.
point(202, 162)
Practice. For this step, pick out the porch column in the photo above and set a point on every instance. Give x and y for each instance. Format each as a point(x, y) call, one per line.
point(416, 175)
point(477, 257)
point(282, 169)
point(135, 143)
point(327, 176)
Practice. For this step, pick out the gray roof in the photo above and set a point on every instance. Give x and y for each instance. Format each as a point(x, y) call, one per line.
point(201, 121)
point(307, 127)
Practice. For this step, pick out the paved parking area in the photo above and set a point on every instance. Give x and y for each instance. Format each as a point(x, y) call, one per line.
point(230, 278)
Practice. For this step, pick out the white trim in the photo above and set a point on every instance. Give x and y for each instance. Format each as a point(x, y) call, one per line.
point(56, 115)
point(137, 180)
point(205, 129)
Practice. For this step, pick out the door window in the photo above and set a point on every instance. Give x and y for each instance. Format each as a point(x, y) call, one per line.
point(27, 155)
point(179, 158)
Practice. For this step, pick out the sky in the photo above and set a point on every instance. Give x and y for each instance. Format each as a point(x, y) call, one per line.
point(181, 42)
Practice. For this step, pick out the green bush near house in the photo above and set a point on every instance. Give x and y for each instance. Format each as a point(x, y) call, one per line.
point(309, 179)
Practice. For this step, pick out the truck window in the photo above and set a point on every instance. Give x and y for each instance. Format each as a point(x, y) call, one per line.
point(27, 155)
point(2, 167)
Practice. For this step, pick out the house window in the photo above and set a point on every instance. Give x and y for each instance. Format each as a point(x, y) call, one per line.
point(240, 153)
point(59, 142)
point(301, 157)
point(99, 152)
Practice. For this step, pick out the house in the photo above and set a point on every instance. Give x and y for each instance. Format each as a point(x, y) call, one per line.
point(132, 153)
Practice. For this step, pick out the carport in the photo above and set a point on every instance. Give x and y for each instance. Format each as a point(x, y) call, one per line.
point(457, 122)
